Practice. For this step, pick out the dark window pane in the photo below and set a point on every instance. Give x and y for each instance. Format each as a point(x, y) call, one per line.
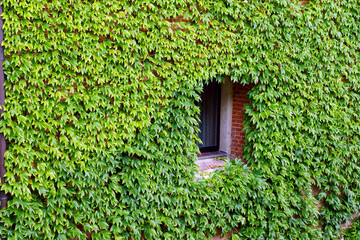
point(209, 117)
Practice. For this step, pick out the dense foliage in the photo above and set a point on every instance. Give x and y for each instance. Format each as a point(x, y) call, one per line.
point(100, 118)
point(353, 232)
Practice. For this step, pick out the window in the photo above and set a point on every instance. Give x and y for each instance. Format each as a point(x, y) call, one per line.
point(216, 119)
point(209, 125)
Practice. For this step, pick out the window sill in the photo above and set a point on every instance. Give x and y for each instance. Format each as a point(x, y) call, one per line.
point(212, 155)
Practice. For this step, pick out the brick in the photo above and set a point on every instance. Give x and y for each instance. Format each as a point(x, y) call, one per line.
point(240, 93)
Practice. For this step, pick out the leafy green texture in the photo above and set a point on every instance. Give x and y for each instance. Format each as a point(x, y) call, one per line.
point(353, 232)
point(101, 121)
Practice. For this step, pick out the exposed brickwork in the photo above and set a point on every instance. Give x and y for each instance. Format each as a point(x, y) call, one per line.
point(209, 163)
point(304, 2)
point(219, 237)
point(237, 134)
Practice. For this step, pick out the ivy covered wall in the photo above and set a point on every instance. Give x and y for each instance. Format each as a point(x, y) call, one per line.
point(101, 122)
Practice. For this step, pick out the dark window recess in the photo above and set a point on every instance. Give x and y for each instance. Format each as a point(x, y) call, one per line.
point(209, 124)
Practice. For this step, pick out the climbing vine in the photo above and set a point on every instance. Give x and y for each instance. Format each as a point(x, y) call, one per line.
point(101, 118)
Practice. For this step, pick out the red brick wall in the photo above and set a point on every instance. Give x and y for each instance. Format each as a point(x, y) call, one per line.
point(304, 2)
point(237, 134)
